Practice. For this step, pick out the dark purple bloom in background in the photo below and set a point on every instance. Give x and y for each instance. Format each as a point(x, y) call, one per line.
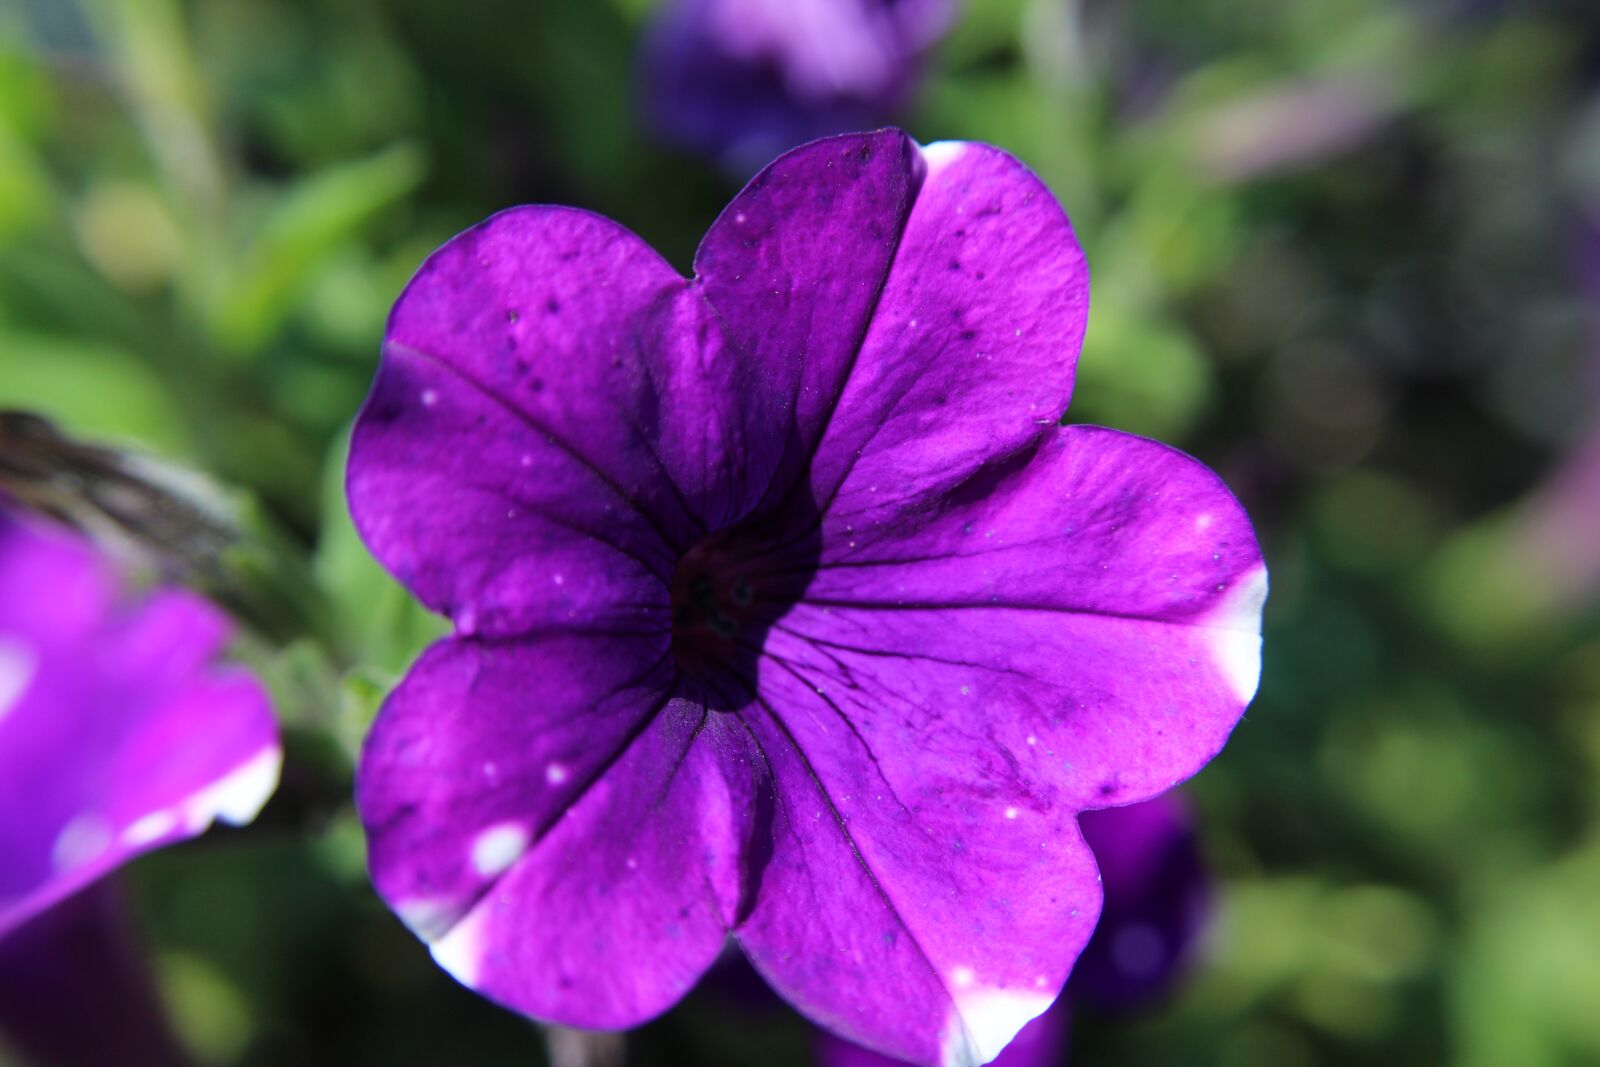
point(76, 989)
point(118, 733)
point(1157, 899)
point(784, 606)
point(743, 80)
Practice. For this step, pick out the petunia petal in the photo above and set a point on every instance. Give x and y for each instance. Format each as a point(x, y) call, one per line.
point(611, 914)
point(485, 521)
point(558, 817)
point(53, 588)
point(553, 396)
point(1055, 643)
point(1113, 584)
point(908, 914)
point(795, 267)
point(484, 747)
point(119, 739)
point(973, 341)
point(926, 305)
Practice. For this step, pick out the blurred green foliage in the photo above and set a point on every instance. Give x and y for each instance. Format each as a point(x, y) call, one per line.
point(1338, 251)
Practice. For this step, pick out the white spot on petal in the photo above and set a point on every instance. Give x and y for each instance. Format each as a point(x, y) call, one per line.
point(984, 1022)
point(1011, 813)
point(1203, 523)
point(150, 828)
point(555, 773)
point(940, 154)
point(497, 848)
point(962, 977)
point(81, 841)
point(1235, 633)
point(17, 665)
point(430, 397)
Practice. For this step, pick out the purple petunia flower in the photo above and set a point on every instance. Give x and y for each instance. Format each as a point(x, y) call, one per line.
point(117, 734)
point(742, 80)
point(784, 607)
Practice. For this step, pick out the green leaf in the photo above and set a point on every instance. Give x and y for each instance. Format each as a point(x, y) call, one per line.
point(378, 625)
point(92, 390)
point(305, 230)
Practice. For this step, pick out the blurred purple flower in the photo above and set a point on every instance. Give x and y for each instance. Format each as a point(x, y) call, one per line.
point(76, 991)
point(743, 80)
point(784, 606)
point(1155, 901)
point(1555, 543)
point(1292, 126)
point(1551, 557)
point(117, 734)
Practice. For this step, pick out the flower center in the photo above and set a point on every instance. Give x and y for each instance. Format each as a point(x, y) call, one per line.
point(727, 592)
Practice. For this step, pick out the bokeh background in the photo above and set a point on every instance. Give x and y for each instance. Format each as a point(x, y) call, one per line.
point(1347, 252)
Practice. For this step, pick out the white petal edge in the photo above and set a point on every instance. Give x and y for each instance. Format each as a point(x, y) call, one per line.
point(238, 796)
point(940, 154)
point(460, 952)
point(984, 1022)
point(1235, 633)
